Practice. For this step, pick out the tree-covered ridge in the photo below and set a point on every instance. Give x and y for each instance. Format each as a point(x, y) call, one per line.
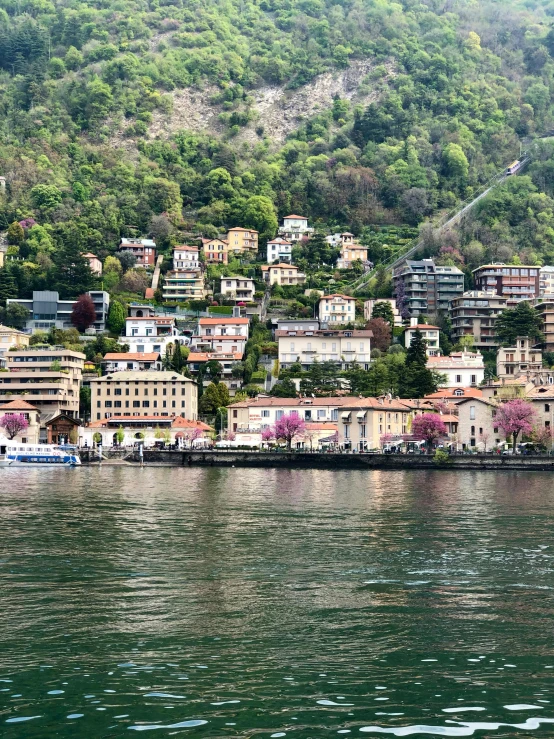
point(470, 80)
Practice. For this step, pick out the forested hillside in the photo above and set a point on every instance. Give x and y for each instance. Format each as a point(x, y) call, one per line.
point(440, 96)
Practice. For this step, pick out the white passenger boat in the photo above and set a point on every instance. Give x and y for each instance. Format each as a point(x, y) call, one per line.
point(16, 454)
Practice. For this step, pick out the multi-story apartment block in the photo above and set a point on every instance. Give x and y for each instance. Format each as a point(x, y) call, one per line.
point(151, 333)
point(215, 250)
point(431, 335)
point(369, 305)
point(283, 274)
point(227, 335)
point(186, 280)
point(545, 309)
point(47, 311)
point(48, 377)
point(515, 283)
point(521, 359)
point(474, 314)
point(279, 250)
point(461, 369)
point(144, 251)
point(238, 288)
point(337, 308)
point(242, 240)
point(427, 288)
point(228, 361)
point(306, 347)
point(368, 423)
point(546, 281)
point(295, 228)
point(149, 393)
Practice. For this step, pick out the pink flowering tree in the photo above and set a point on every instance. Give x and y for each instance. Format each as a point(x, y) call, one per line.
point(287, 427)
point(429, 428)
point(386, 439)
point(268, 435)
point(542, 436)
point(13, 424)
point(191, 435)
point(514, 418)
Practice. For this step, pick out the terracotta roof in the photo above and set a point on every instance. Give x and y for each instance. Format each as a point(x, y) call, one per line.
point(377, 404)
point(450, 392)
point(149, 292)
point(88, 255)
point(543, 391)
point(322, 333)
point(279, 240)
point(219, 337)
point(337, 295)
point(295, 216)
point(486, 401)
point(239, 228)
point(263, 402)
point(130, 356)
point(422, 326)
point(321, 426)
point(157, 319)
point(223, 320)
point(10, 330)
point(185, 247)
point(18, 405)
point(449, 418)
point(282, 265)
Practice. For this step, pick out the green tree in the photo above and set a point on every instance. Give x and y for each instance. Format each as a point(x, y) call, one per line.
point(416, 380)
point(455, 161)
point(16, 234)
point(116, 317)
point(215, 396)
point(8, 286)
point(259, 213)
point(285, 388)
point(17, 315)
point(383, 310)
point(72, 275)
point(46, 197)
point(523, 320)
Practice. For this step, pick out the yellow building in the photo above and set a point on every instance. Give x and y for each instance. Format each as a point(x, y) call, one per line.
point(364, 423)
point(9, 338)
point(241, 240)
point(283, 274)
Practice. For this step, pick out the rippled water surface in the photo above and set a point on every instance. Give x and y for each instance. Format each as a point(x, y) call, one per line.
point(241, 603)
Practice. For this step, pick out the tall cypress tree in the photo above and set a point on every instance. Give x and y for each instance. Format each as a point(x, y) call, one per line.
point(8, 286)
point(416, 380)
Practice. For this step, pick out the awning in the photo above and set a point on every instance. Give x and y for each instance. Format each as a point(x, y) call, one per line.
point(346, 414)
point(361, 414)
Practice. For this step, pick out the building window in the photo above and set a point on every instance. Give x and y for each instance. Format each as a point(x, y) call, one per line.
point(265, 414)
point(146, 404)
point(108, 404)
point(458, 378)
point(547, 407)
point(117, 391)
point(472, 413)
point(117, 404)
point(363, 430)
point(136, 403)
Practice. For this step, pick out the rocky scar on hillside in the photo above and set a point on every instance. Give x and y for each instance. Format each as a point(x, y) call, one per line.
point(276, 110)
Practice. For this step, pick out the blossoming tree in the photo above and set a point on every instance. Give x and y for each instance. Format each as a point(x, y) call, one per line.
point(429, 428)
point(514, 418)
point(13, 424)
point(287, 427)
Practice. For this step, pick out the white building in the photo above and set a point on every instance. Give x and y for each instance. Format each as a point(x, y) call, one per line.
point(121, 361)
point(238, 288)
point(256, 414)
point(337, 308)
point(279, 250)
point(340, 239)
point(307, 347)
point(224, 334)
point(462, 369)
point(283, 274)
point(369, 305)
point(185, 257)
point(151, 334)
point(295, 228)
point(546, 280)
point(430, 334)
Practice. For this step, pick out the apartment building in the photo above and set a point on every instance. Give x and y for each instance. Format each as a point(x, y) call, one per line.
point(228, 361)
point(9, 338)
point(306, 347)
point(295, 228)
point(515, 283)
point(283, 274)
point(279, 250)
point(474, 314)
point(369, 305)
point(47, 311)
point(185, 257)
point(546, 281)
point(337, 308)
point(545, 309)
point(149, 393)
point(144, 251)
point(256, 414)
point(296, 324)
point(216, 251)
point(427, 288)
point(365, 421)
point(183, 285)
point(242, 240)
point(431, 335)
point(137, 361)
point(521, 359)
point(238, 288)
point(48, 377)
point(461, 369)
point(150, 333)
point(224, 334)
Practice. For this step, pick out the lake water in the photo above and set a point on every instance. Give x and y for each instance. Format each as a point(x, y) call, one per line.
point(242, 603)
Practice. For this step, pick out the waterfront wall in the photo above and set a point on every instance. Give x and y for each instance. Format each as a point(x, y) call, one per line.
point(305, 460)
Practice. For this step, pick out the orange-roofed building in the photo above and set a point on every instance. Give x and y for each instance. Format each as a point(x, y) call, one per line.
point(242, 240)
point(295, 227)
point(430, 334)
point(31, 414)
